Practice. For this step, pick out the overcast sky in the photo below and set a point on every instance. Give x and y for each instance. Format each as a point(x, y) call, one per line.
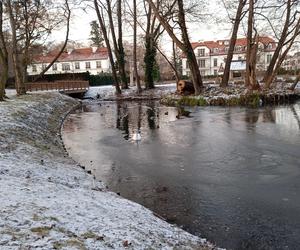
point(80, 28)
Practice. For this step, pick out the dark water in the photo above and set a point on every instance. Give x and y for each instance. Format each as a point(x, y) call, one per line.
point(231, 175)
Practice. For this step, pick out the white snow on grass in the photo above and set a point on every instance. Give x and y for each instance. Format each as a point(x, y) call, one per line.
point(108, 92)
point(48, 202)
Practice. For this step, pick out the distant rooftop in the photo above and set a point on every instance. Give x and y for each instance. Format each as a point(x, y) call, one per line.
point(220, 47)
point(82, 54)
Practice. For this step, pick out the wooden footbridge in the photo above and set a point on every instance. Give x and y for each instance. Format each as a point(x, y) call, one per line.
point(65, 87)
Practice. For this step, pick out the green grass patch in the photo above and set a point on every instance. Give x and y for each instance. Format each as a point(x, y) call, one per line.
point(192, 101)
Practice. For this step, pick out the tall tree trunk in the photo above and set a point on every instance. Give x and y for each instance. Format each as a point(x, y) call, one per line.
point(279, 62)
point(150, 53)
point(267, 79)
point(149, 59)
point(3, 57)
point(250, 46)
point(253, 61)
point(135, 66)
point(175, 63)
point(119, 51)
point(4, 68)
point(237, 21)
point(185, 46)
point(188, 49)
point(110, 54)
point(27, 43)
point(20, 85)
point(121, 61)
point(3, 79)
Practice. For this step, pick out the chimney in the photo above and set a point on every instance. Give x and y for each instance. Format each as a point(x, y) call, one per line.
point(69, 51)
point(94, 49)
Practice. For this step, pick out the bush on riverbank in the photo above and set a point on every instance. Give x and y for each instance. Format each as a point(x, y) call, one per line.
point(101, 79)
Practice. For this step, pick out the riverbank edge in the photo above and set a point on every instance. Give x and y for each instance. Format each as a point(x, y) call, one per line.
point(35, 219)
point(252, 99)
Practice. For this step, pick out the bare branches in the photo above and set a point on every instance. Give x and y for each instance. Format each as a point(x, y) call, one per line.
point(68, 19)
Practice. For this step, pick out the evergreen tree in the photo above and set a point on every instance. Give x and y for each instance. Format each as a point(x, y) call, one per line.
point(96, 35)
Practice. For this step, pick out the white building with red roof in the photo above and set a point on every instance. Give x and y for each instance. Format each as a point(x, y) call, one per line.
point(94, 60)
point(211, 55)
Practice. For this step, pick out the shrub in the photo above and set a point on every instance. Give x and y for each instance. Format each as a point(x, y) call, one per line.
point(101, 79)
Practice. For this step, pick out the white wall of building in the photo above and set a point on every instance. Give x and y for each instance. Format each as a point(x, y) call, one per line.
point(210, 59)
point(36, 69)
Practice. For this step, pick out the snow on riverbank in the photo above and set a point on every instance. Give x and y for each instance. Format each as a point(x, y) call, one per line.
point(108, 92)
point(48, 202)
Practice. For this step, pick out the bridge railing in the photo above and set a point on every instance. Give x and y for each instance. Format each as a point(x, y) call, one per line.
point(58, 85)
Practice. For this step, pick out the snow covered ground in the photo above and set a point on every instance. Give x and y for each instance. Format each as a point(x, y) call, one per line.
point(48, 202)
point(108, 92)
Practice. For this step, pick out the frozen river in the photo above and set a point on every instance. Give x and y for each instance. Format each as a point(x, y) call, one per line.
point(231, 175)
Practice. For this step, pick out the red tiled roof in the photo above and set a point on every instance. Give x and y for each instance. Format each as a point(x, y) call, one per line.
point(220, 44)
point(82, 54)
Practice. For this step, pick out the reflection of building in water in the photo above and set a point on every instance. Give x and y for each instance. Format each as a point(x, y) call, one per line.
point(289, 117)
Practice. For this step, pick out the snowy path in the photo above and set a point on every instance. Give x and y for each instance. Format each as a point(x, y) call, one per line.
point(48, 202)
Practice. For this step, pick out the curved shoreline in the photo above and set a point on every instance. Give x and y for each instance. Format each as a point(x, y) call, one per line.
point(48, 202)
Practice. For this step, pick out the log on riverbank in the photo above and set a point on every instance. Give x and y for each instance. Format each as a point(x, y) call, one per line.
point(185, 88)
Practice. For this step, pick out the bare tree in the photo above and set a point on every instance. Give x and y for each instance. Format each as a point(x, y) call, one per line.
point(185, 44)
point(236, 23)
point(117, 42)
point(13, 15)
point(100, 16)
point(252, 48)
point(286, 38)
point(67, 15)
point(137, 76)
point(3, 56)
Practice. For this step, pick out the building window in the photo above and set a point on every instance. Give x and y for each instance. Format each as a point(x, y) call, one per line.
point(187, 65)
point(202, 72)
point(270, 46)
point(269, 58)
point(66, 66)
point(34, 69)
point(87, 65)
point(201, 52)
point(77, 65)
point(54, 67)
point(215, 72)
point(201, 63)
point(44, 66)
point(98, 64)
point(215, 62)
point(216, 50)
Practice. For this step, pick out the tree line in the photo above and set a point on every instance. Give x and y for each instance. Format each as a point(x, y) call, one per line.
point(24, 23)
point(281, 20)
